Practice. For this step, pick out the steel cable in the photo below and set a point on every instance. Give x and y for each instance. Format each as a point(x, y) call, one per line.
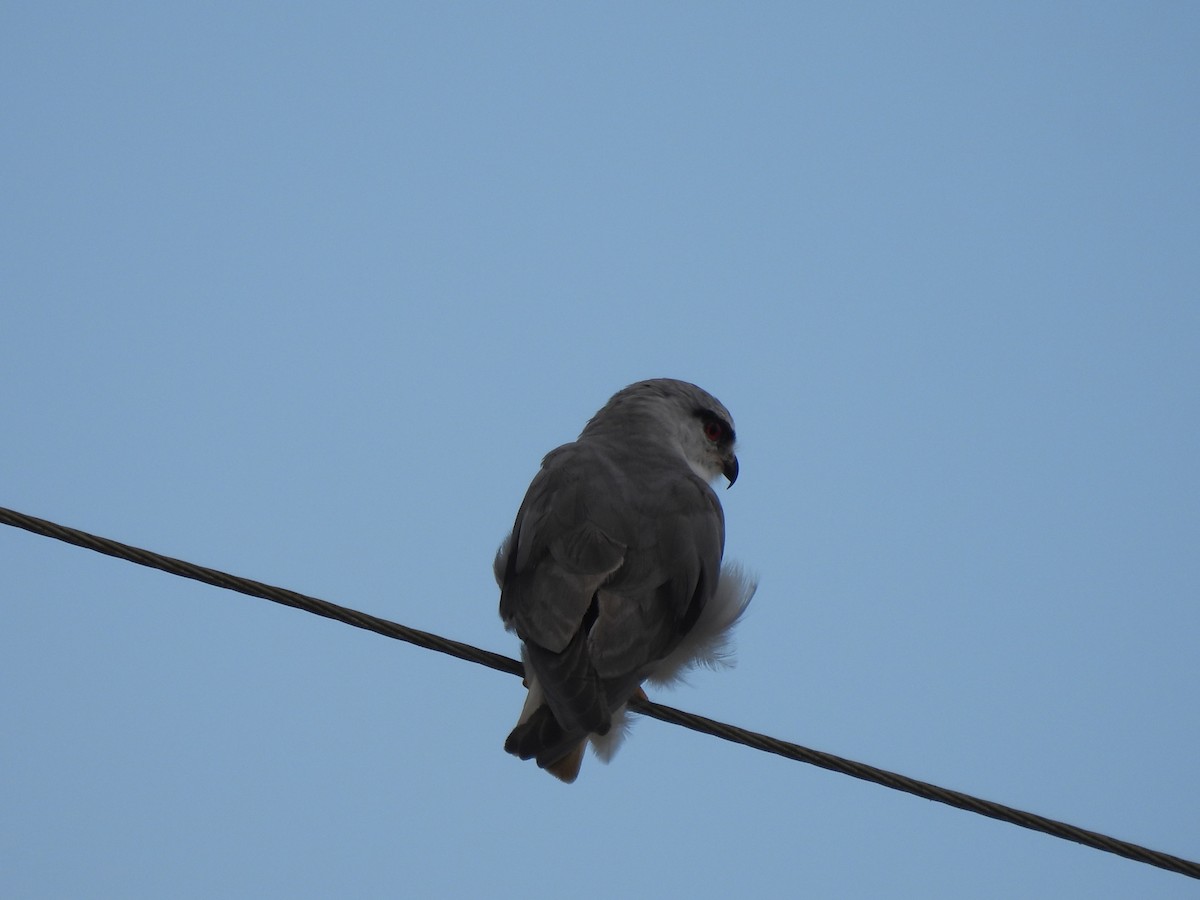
point(648, 708)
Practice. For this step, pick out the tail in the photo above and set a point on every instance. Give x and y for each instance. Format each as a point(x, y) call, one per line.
point(539, 736)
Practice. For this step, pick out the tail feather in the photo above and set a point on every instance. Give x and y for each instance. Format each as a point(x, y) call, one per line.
point(540, 737)
point(537, 735)
point(567, 768)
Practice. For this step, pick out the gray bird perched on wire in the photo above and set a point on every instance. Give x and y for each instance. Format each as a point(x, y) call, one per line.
point(612, 574)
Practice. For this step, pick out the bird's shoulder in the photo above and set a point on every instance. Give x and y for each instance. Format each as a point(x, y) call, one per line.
point(628, 496)
point(569, 511)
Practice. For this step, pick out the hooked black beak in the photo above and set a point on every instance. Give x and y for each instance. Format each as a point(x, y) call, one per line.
point(730, 471)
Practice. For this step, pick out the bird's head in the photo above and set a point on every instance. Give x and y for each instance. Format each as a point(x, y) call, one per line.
point(686, 417)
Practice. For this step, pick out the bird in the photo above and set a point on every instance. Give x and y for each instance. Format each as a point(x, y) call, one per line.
point(613, 573)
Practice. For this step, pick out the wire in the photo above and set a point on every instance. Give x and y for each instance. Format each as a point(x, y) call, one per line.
point(667, 714)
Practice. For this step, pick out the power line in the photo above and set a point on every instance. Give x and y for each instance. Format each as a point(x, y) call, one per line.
point(668, 714)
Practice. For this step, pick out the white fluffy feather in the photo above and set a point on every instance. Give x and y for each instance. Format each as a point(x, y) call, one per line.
point(709, 643)
point(605, 746)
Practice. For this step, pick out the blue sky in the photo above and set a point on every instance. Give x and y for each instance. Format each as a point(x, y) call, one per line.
point(305, 292)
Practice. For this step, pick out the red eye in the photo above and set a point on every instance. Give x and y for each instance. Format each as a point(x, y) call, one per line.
point(713, 430)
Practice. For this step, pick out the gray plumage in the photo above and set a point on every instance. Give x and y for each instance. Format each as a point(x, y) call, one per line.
point(613, 560)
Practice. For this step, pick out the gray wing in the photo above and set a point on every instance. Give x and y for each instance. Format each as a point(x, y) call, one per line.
point(566, 541)
point(643, 540)
point(667, 578)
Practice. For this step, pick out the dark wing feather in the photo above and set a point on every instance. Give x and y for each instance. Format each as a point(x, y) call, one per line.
point(560, 551)
point(668, 577)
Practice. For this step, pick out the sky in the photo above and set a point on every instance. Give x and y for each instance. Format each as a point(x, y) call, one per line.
point(304, 292)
